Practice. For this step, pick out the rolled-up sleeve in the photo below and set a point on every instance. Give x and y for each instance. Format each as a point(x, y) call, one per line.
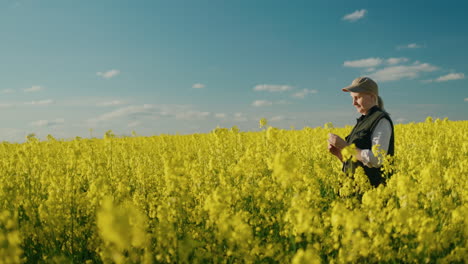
point(380, 136)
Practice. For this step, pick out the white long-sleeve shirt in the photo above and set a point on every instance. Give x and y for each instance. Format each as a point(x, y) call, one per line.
point(380, 136)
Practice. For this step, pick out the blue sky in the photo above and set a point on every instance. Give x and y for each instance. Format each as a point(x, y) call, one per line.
point(176, 66)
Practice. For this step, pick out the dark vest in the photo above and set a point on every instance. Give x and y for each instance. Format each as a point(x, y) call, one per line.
point(361, 136)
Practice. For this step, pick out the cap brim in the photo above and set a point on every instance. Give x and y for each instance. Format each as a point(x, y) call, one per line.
point(353, 89)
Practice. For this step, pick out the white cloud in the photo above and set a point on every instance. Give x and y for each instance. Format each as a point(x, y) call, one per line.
point(34, 88)
point(12, 134)
point(393, 61)
point(410, 46)
point(394, 73)
point(451, 77)
point(48, 123)
point(198, 86)
point(111, 103)
point(108, 74)
point(123, 112)
point(149, 111)
point(260, 103)
point(364, 63)
point(282, 102)
point(304, 92)
point(5, 105)
point(41, 102)
point(92, 101)
point(240, 117)
point(401, 120)
point(180, 112)
point(191, 114)
point(371, 63)
point(272, 88)
point(466, 99)
point(220, 115)
point(277, 118)
point(134, 124)
point(7, 91)
point(356, 15)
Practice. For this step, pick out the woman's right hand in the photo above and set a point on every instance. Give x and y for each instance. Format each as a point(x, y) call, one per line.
point(335, 151)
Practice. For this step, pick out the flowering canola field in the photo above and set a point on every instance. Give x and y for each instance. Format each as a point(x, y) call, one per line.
point(274, 196)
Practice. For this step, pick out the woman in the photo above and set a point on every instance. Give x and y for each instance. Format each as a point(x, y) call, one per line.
point(374, 127)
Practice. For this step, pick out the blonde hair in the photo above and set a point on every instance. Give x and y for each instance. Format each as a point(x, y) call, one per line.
point(380, 103)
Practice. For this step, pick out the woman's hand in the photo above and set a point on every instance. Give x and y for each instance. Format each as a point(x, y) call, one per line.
point(336, 141)
point(335, 151)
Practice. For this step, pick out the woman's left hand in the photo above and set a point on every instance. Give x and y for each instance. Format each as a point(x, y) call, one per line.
point(336, 141)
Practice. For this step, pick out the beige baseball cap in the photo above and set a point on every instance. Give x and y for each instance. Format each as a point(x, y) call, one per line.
point(362, 85)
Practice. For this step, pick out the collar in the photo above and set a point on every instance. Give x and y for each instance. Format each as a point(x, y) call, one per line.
point(371, 111)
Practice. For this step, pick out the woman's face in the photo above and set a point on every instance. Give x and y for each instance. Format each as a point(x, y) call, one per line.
point(363, 101)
